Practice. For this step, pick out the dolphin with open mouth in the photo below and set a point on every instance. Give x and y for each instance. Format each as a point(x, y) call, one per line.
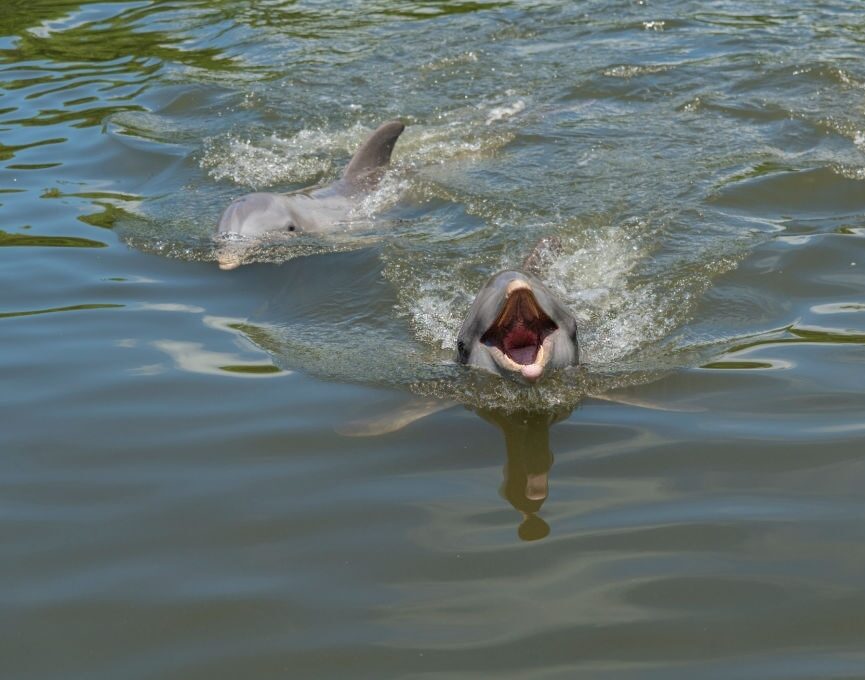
point(517, 327)
point(315, 209)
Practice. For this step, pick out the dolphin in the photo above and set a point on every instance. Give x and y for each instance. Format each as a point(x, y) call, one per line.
point(316, 209)
point(517, 327)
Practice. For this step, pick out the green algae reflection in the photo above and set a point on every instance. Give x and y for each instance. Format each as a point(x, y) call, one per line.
point(738, 364)
point(255, 369)
point(117, 33)
point(26, 240)
point(72, 308)
point(105, 219)
point(806, 336)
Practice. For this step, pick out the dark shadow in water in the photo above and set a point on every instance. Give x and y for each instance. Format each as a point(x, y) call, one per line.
point(528, 463)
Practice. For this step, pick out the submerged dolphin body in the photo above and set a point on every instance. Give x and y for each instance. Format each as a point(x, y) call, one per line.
point(312, 210)
point(516, 326)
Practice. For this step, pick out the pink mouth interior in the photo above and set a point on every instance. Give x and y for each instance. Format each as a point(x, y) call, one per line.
point(521, 344)
point(520, 329)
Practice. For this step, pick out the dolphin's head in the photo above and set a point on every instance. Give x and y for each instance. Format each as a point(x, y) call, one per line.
point(517, 327)
point(252, 216)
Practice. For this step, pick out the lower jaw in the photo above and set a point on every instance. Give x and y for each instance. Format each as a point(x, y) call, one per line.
point(530, 372)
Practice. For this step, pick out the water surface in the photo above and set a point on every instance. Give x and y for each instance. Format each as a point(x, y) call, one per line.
point(179, 493)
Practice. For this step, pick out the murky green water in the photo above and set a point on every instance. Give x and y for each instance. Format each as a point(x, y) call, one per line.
point(179, 493)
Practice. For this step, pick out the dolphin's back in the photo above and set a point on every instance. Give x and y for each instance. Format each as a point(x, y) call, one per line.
point(315, 209)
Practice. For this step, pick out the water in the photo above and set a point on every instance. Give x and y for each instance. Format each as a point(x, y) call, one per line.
point(181, 495)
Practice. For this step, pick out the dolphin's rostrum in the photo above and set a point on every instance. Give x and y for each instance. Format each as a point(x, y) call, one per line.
point(314, 209)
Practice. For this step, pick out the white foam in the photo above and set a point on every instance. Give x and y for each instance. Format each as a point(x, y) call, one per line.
point(505, 112)
point(386, 195)
point(451, 61)
point(314, 154)
point(428, 145)
point(603, 274)
point(628, 71)
point(592, 276)
point(301, 158)
point(253, 165)
point(435, 314)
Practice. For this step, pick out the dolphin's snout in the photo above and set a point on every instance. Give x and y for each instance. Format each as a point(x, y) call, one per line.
point(532, 372)
point(515, 285)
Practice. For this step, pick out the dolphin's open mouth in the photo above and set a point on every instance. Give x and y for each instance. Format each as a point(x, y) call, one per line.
point(520, 329)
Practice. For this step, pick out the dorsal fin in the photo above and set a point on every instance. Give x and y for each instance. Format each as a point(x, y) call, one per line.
point(545, 250)
point(369, 161)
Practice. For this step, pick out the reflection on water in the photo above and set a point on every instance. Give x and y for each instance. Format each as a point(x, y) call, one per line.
point(71, 308)
point(33, 241)
point(529, 459)
point(192, 357)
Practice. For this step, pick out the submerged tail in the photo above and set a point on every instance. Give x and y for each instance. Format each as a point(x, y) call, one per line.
point(368, 163)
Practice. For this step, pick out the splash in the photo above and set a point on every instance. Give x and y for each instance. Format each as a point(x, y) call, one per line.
point(504, 112)
point(627, 301)
point(271, 160)
point(317, 154)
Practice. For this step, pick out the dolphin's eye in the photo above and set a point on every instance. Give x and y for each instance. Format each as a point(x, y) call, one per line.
point(291, 227)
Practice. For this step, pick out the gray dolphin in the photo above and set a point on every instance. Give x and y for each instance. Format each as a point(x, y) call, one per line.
point(315, 209)
point(516, 326)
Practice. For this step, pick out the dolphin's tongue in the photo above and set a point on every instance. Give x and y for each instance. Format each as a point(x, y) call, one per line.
point(521, 344)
